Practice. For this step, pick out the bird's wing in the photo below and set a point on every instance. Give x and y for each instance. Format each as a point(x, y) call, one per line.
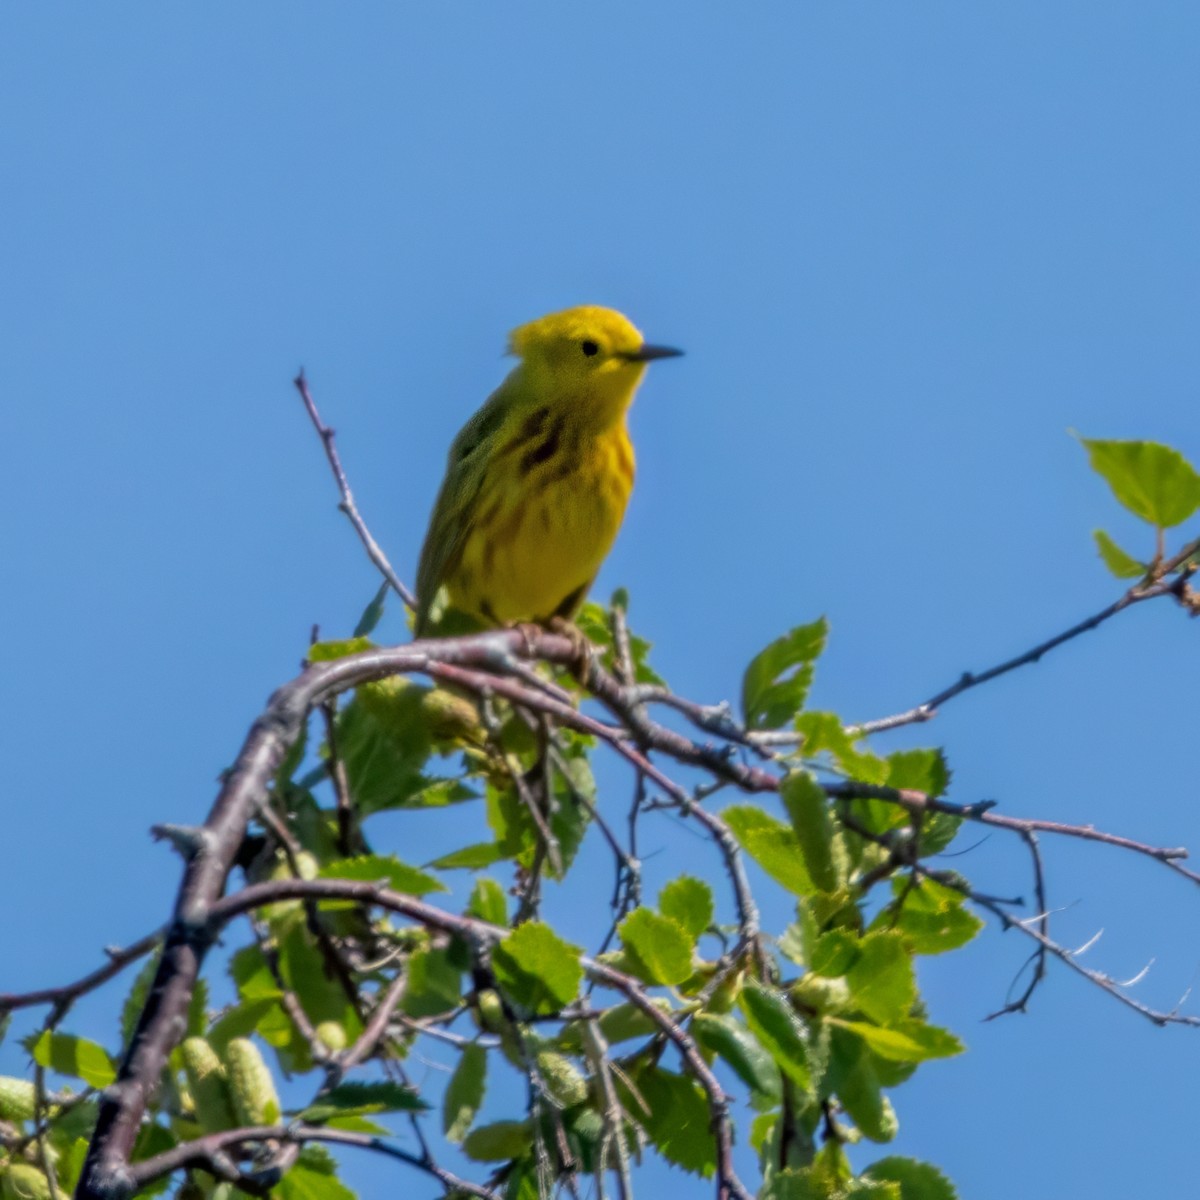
point(453, 512)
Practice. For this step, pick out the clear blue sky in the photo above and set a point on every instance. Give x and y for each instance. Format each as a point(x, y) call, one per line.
point(906, 247)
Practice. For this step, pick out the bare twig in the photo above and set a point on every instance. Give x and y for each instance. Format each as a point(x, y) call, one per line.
point(347, 505)
point(1159, 585)
point(118, 960)
point(211, 1154)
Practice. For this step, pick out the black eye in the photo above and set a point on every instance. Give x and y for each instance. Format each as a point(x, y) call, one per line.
point(590, 348)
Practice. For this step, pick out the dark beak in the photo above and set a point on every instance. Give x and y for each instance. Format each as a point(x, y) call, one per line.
point(647, 353)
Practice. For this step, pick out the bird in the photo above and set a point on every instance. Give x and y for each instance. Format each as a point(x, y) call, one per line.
point(537, 481)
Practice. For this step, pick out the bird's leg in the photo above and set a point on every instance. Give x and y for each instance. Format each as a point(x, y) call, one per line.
point(581, 646)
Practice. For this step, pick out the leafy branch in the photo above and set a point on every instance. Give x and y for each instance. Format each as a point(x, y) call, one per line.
point(649, 1042)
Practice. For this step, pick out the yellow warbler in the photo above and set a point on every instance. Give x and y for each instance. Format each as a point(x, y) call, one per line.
point(537, 480)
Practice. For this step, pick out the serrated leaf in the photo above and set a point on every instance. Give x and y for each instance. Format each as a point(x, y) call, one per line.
point(917, 1180)
point(464, 1093)
point(362, 1100)
point(538, 970)
point(774, 1022)
point(724, 1035)
point(906, 1042)
point(73, 1056)
point(823, 732)
point(852, 1076)
point(870, 1189)
point(372, 614)
point(135, 1001)
point(499, 1141)
point(772, 844)
point(777, 680)
point(689, 901)
point(933, 919)
point(799, 1183)
point(488, 902)
point(1152, 481)
point(1120, 563)
point(384, 739)
point(808, 808)
point(881, 979)
point(675, 1114)
point(385, 869)
point(834, 953)
point(434, 983)
point(660, 946)
point(922, 770)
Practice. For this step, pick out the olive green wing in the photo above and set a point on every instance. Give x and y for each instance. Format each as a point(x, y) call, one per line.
point(454, 510)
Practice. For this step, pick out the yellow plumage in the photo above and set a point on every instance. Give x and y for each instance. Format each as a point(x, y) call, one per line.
point(537, 480)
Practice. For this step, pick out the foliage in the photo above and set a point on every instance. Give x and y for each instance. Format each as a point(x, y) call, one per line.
point(560, 1061)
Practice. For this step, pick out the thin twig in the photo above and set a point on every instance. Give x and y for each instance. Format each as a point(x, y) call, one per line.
point(347, 505)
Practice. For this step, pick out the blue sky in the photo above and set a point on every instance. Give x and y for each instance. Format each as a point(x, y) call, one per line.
point(906, 247)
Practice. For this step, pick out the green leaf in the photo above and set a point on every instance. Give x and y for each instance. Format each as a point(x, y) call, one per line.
point(834, 953)
point(771, 844)
point(857, 1085)
point(800, 1183)
point(933, 919)
point(385, 869)
point(774, 1022)
point(620, 1023)
point(659, 945)
point(197, 1018)
point(689, 901)
point(499, 1141)
point(434, 983)
point(242, 1020)
point(153, 1139)
point(373, 612)
point(722, 1034)
point(302, 1182)
point(922, 770)
point(328, 651)
point(136, 1000)
point(464, 1093)
point(70, 1164)
point(537, 969)
point(1120, 563)
point(488, 902)
point(470, 858)
point(385, 739)
point(363, 1100)
point(777, 680)
point(870, 1189)
point(823, 731)
point(917, 1180)
point(1153, 481)
point(73, 1056)
point(909, 1041)
point(881, 979)
point(808, 808)
point(674, 1112)
point(305, 970)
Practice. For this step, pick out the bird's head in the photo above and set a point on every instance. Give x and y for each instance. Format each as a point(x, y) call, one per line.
point(585, 352)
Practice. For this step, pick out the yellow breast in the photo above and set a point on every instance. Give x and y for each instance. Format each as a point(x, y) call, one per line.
point(546, 518)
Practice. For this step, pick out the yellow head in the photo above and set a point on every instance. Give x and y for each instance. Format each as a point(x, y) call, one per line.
point(590, 354)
